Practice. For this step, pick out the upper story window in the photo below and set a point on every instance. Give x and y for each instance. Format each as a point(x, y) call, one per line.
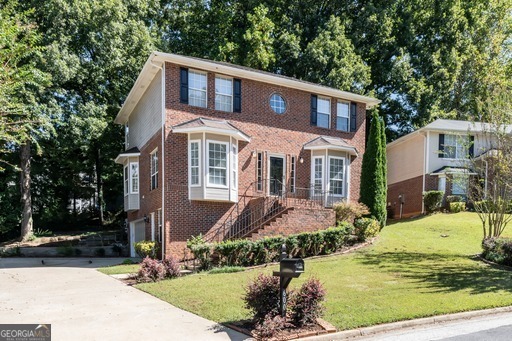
point(197, 88)
point(154, 169)
point(455, 147)
point(277, 103)
point(217, 163)
point(342, 116)
point(194, 160)
point(323, 112)
point(223, 93)
point(134, 177)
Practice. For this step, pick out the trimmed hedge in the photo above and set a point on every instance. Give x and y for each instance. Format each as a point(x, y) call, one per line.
point(498, 250)
point(433, 200)
point(456, 207)
point(246, 252)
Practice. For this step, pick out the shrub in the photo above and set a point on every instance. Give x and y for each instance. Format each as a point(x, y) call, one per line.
point(128, 261)
point(349, 211)
point(172, 267)
point(366, 228)
point(146, 248)
point(226, 269)
point(100, 252)
point(453, 198)
point(456, 207)
point(432, 200)
point(270, 326)
point(262, 297)
point(306, 304)
point(498, 250)
point(151, 270)
point(201, 250)
point(234, 252)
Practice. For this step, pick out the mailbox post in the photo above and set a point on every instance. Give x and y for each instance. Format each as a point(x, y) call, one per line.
point(288, 268)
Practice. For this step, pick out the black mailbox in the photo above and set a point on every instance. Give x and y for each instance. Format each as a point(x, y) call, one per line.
point(291, 266)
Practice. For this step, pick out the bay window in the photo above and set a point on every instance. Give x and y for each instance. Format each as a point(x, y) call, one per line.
point(217, 163)
point(336, 175)
point(194, 162)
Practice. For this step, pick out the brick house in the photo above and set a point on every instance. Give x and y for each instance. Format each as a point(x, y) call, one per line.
point(231, 152)
point(435, 157)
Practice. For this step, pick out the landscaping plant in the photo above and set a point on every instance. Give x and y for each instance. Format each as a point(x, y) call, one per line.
point(262, 297)
point(433, 200)
point(366, 228)
point(457, 206)
point(201, 250)
point(306, 303)
point(146, 248)
point(348, 211)
point(270, 326)
point(498, 250)
point(172, 267)
point(151, 270)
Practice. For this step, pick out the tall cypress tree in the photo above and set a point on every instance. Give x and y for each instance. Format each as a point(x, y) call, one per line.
point(373, 177)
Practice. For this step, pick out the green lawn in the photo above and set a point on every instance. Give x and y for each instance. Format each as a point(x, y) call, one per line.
point(416, 268)
point(120, 269)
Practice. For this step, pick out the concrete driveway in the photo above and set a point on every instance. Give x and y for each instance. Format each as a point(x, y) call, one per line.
point(83, 304)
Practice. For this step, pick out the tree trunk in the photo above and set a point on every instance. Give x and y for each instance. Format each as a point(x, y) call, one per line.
point(26, 197)
point(99, 185)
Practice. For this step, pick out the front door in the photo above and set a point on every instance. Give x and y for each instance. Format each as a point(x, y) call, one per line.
point(137, 234)
point(276, 175)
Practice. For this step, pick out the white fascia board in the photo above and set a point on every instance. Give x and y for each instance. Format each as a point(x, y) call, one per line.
point(121, 158)
point(237, 135)
point(350, 150)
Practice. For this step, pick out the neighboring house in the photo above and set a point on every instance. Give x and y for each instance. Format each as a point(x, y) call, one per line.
point(434, 157)
point(231, 152)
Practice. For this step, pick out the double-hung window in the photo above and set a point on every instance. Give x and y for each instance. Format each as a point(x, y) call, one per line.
point(126, 181)
point(134, 177)
point(318, 174)
point(336, 175)
point(342, 116)
point(234, 165)
point(154, 169)
point(223, 93)
point(323, 112)
point(194, 162)
point(197, 88)
point(454, 147)
point(217, 163)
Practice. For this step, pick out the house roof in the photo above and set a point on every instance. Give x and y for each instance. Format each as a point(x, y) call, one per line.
point(450, 126)
point(453, 170)
point(134, 151)
point(202, 124)
point(329, 142)
point(157, 59)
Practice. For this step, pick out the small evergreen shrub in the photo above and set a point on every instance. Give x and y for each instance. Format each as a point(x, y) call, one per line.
point(456, 206)
point(201, 250)
point(151, 270)
point(172, 267)
point(306, 303)
point(453, 198)
point(146, 248)
point(498, 250)
point(262, 297)
point(366, 228)
point(349, 211)
point(432, 200)
point(226, 269)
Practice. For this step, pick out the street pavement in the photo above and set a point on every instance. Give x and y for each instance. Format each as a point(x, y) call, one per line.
point(81, 303)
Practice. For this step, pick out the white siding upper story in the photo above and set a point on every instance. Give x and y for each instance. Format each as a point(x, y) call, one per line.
point(418, 153)
point(146, 118)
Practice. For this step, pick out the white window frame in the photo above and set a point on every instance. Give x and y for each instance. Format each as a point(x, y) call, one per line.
point(318, 112)
point(228, 152)
point(126, 176)
point(293, 173)
point(234, 165)
point(223, 94)
point(313, 174)
point(159, 224)
point(456, 183)
point(343, 180)
point(339, 115)
point(273, 103)
point(205, 74)
point(153, 169)
point(198, 163)
point(131, 177)
point(459, 147)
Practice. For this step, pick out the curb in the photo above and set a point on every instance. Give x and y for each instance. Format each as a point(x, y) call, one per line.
point(381, 328)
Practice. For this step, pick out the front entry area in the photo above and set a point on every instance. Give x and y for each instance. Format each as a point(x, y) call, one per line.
point(137, 234)
point(276, 174)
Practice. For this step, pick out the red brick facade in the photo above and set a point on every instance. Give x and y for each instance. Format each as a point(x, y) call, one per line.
point(408, 194)
point(270, 133)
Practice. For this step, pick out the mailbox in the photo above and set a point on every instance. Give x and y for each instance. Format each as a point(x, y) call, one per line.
point(292, 267)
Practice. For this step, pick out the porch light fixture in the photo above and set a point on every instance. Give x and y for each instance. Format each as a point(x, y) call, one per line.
point(253, 153)
point(146, 218)
point(301, 160)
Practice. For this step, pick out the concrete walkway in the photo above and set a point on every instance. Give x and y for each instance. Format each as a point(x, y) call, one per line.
point(83, 304)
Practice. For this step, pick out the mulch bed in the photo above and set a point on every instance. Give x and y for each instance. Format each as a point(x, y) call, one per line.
point(321, 327)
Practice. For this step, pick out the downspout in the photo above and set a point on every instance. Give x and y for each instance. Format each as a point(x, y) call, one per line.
point(425, 162)
point(162, 157)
